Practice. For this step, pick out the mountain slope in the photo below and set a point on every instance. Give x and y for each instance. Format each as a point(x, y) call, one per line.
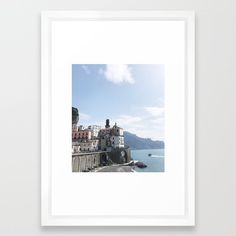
point(135, 142)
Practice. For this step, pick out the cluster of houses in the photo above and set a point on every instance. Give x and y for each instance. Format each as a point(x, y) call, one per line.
point(95, 138)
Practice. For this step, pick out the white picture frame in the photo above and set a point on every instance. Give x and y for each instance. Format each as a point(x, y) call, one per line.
point(50, 200)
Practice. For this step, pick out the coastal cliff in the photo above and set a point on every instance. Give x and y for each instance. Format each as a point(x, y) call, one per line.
point(135, 142)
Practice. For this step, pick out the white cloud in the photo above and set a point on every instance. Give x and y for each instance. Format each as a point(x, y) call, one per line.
point(127, 120)
point(158, 121)
point(86, 69)
point(155, 111)
point(142, 126)
point(147, 125)
point(118, 73)
point(157, 116)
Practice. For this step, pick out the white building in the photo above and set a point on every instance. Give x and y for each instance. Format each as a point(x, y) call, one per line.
point(89, 145)
point(75, 147)
point(117, 141)
point(95, 130)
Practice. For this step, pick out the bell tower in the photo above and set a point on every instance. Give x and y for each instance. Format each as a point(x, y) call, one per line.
point(107, 123)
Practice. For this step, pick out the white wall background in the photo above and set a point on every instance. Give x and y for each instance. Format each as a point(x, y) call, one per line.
point(20, 115)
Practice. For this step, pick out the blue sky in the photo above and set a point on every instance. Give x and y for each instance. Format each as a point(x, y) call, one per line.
point(131, 95)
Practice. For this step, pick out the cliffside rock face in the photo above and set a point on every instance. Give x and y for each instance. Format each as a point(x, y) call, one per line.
point(120, 155)
point(75, 115)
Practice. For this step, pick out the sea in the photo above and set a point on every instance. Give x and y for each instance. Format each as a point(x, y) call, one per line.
point(155, 162)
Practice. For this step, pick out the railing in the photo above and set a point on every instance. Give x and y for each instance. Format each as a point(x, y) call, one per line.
point(88, 153)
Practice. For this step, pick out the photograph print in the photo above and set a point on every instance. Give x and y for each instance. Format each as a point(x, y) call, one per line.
point(118, 118)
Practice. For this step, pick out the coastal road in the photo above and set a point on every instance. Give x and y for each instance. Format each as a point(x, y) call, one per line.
point(116, 169)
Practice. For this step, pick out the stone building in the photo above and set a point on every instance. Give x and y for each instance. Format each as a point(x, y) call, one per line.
point(104, 132)
point(117, 141)
point(111, 137)
point(117, 131)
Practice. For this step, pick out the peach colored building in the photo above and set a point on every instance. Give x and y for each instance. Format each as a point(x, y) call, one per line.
point(81, 134)
point(84, 134)
point(74, 131)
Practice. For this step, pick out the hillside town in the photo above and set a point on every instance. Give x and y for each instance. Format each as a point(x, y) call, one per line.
point(95, 146)
point(94, 138)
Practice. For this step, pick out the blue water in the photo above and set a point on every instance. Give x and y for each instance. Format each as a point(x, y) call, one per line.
point(155, 163)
